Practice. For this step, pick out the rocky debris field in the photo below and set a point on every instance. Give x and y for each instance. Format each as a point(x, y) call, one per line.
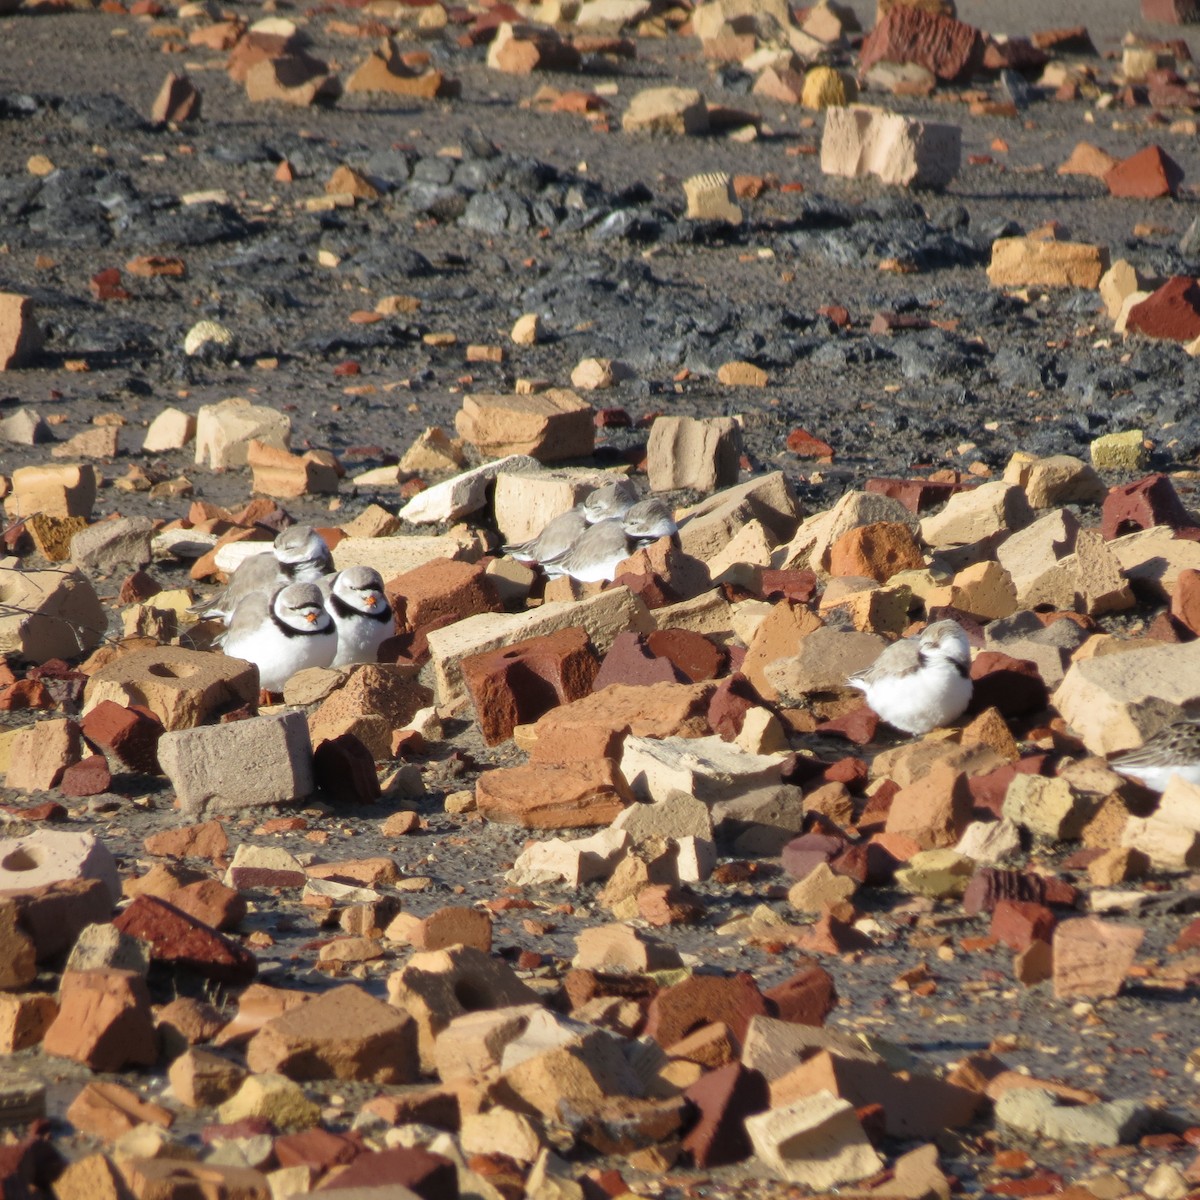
point(592, 891)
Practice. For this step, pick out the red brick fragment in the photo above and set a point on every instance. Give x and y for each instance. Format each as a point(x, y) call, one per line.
point(629, 661)
point(806, 998)
point(26, 695)
point(918, 1106)
point(178, 100)
point(48, 811)
point(1185, 600)
point(831, 935)
point(431, 1176)
point(135, 588)
point(55, 914)
point(1171, 312)
point(1020, 923)
point(1142, 504)
point(250, 879)
point(89, 777)
point(806, 445)
point(934, 809)
point(1072, 40)
point(851, 770)
point(692, 654)
point(522, 682)
point(245, 1128)
point(869, 863)
point(64, 683)
point(701, 999)
point(990, 885)
point(858, 725)
point(724, 1099)
point(796, 587)
point(734, 697)
point(1188, 939)
point(804, 771)
point(612, 418)
point(106, 285)
point(876, 551)
point(317, 1148)
point(206, 840)
point(669, 904)
point(438, 589)
point(1014, 53)
point(887, 321)
point(29, 1168)
point(578, 794)
point(104, 1021)
point(581, 985)
point(649, 587)
point(421, 1105)
point(130, 735)
point(211, 902)
point(1171, 12)
point(1146, 175)
point(874, 815)
point(177, 938)
point(916, 495)
point(950, 49)
point(1165, 628)
point(1011, 685)
point(802, 855)
point(345, 770)
point(1173, 93)
point(1092, 957)
point(151, 266)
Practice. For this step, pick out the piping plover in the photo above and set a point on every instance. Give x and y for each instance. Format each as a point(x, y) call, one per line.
point(612, 500)
point(355, 599)
point(595, 555)
point(650, 519)
point(299, 555)
point(921, 682)
point(281, 633)
point(1173, 750)
point(555, 540)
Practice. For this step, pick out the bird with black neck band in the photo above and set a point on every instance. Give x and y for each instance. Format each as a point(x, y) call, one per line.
point(281, 632)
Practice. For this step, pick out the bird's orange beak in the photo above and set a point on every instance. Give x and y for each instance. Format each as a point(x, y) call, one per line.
point(372, 599)
point(311, 618)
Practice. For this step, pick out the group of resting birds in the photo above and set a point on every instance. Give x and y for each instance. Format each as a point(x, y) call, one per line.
point(287, 609)
point(592, 539)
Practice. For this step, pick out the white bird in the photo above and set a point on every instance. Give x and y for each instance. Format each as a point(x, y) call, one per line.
point(355, 599)
point(921, 682)
point(650, 519)
point(554, 540)
point(281, 633)
point(612, 500)
point(595, 555)
point(1173, 750)
point(299, 555)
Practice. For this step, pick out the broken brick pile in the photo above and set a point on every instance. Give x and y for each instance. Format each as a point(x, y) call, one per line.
point(687, 731)
point(666, 715)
